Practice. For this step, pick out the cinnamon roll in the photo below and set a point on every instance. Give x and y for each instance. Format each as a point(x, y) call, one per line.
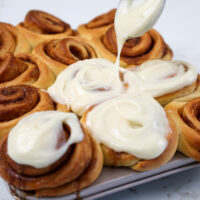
point(39, 26)
point(97, 26)
point(11, 40)
point(164, 80)
point(136, 51)
point(60, 158)
point(19, 101)
point(86, 83)
point(185, 116)
point(24, 68)
point(133, 131)
point(60, 53)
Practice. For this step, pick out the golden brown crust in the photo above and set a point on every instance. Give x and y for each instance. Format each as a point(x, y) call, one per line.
point(166, 156)
point(24, 68)
point(117, 159)
point(59, 53)
point(136, 51)
point(165, 99)
point(61, 107)
point(39, 26)
point(183, 95)
point(97, 26)
point(19, 101)
point(185, 116)
point(89, 175)
point(11, 40)
point(192, 95)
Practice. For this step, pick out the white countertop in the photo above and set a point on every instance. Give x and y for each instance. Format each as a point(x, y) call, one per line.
point(179, 26)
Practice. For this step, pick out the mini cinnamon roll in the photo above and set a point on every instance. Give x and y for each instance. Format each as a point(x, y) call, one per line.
point(96, 26)
point(136, 51)
point(11, 40)
point(60, 53)
point(133, 131)
point(24, 68)
point(50, 154)
point(39, 26)
point(165, 80)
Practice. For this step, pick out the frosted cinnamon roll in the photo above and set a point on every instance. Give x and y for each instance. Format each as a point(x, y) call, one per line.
point(96, 26)
point(86, 83)
point(39, 26)
point(11, 40)
point(60, 158)
point(165, 80)
point(133, 131)
point(185, 116)
point(60, 53)
point(135, 51)
point(24, 68)
point(19, 101)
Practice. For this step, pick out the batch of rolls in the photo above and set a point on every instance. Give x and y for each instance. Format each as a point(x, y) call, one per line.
point(36, 58)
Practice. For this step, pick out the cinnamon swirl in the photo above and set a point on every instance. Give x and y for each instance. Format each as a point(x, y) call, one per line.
point(96, 26)
point(11, 40)
point(136, 51)
point(24, 68)
point(39, 26)
point(60, 53)
point(19, 101)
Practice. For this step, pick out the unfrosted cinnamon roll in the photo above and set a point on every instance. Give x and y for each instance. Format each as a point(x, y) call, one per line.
point(19, 101)
point(61, 157)
point(133, 130)
point(39, 26)
point(99, 24)
point(164, 80)
point(11, 40)
point(185, 116)
point(86, 83)
point(60, 53)
point(136, 51)
point(24, 68)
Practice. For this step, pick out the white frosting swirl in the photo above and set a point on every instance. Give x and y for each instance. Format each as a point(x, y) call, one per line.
point(33, 141)
point(86, 83)
point(135, 124)
point(158, 77)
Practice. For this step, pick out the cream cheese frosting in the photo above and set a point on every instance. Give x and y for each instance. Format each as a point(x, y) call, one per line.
point(86, 83)
point(33, 141)
point(131, 123)
point(134, 17)
point(158, 77)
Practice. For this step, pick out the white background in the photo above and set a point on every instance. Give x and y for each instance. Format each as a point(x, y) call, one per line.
point(180, 27)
